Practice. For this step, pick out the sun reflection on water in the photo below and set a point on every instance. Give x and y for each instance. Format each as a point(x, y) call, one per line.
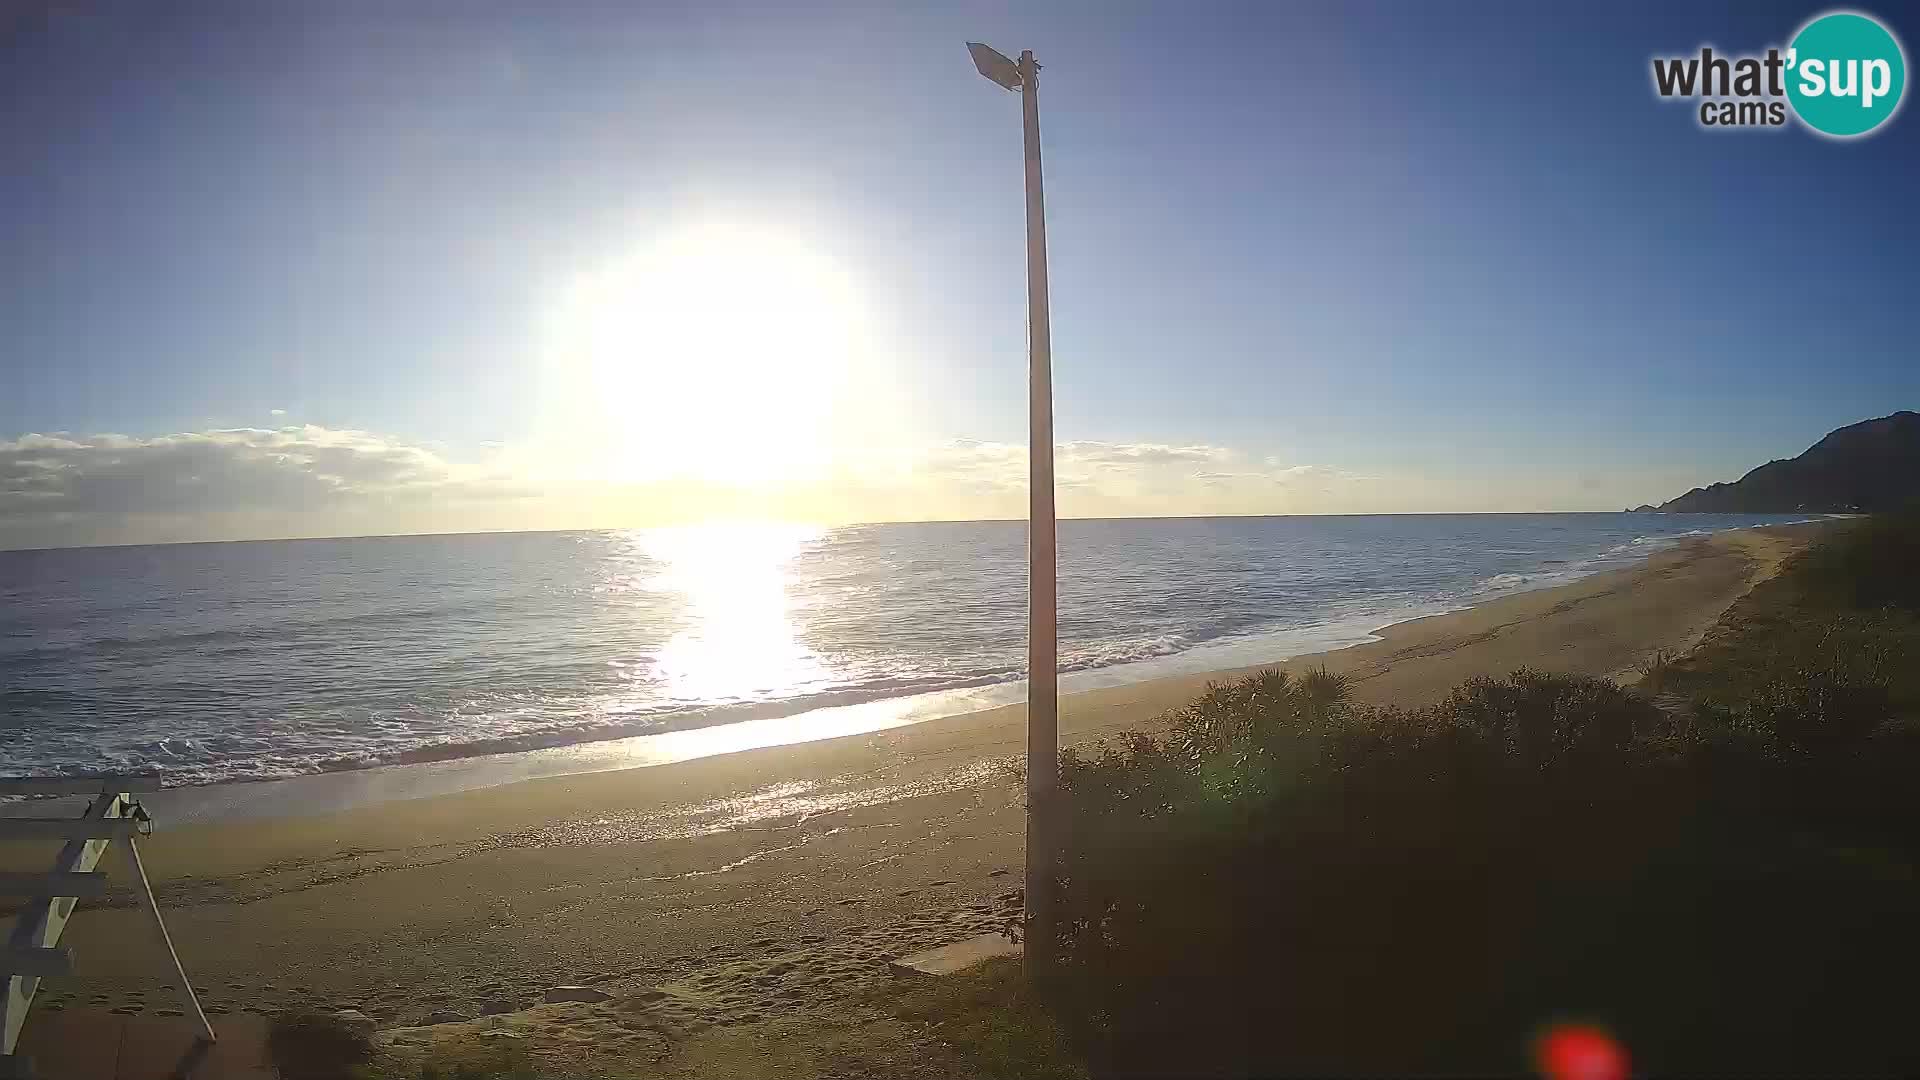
point(736, 640)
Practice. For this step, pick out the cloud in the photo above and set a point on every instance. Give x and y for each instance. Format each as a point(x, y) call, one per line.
point(1134, 455)
point(1097, 463)
point(305, 480)
point(1097, 478)
point(301, 468)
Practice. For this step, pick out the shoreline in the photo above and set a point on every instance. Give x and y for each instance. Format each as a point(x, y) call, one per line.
point(441, 771)
point(754, 883)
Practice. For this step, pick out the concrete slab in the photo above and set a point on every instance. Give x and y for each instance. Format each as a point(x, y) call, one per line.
point(958, 956)
point(93, 1044)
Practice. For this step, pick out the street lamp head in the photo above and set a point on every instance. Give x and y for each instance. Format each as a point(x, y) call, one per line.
point(995, 66)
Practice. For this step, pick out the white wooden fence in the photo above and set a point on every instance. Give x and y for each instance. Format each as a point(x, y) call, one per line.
point(33, 950)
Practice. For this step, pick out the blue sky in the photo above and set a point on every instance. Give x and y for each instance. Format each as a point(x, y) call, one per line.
point(1437, 253)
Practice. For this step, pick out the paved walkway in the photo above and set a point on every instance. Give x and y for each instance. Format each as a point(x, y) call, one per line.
point(89, 1044)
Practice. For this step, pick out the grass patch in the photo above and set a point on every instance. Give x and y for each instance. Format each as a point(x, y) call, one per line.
point(988, 1019)
point(1843, 614)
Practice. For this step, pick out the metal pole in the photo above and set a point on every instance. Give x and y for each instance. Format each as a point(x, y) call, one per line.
point(1043, 721)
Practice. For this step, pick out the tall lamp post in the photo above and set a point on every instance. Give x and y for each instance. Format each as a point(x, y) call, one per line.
point(1043, 688)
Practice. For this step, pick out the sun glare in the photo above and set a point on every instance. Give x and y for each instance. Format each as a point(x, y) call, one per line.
point(717, 352)
point(736, 641)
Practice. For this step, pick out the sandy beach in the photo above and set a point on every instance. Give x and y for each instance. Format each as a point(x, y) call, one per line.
point(729, 889)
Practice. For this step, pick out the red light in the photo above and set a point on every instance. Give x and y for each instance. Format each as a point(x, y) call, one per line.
point(1579, 1052)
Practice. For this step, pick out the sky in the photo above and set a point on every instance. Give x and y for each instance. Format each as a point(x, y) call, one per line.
point(276, 268)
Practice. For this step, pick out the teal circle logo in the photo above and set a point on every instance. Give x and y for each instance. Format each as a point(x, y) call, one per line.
point(1845, 74)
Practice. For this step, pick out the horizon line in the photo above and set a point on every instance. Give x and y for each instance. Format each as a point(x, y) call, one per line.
point(824, 527)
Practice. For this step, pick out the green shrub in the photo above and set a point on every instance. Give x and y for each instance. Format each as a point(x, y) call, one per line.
point(1293, 882)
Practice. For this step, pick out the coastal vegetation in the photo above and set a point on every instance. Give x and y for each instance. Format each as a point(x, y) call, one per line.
point(1718, 866)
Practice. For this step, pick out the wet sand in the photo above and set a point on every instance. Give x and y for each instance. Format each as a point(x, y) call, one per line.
point(726, 889)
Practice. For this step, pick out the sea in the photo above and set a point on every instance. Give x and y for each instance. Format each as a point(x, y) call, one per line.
point(216, 662)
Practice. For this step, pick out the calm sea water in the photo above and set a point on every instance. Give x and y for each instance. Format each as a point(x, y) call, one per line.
point(216, 662)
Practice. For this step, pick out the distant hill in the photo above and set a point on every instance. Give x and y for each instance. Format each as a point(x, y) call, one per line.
point(1866, 467)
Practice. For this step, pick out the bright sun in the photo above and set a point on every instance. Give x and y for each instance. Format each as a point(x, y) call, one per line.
point(716, 352)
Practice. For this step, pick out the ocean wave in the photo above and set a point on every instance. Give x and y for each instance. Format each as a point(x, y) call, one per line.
point(281, 634)
point(1110, 654)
